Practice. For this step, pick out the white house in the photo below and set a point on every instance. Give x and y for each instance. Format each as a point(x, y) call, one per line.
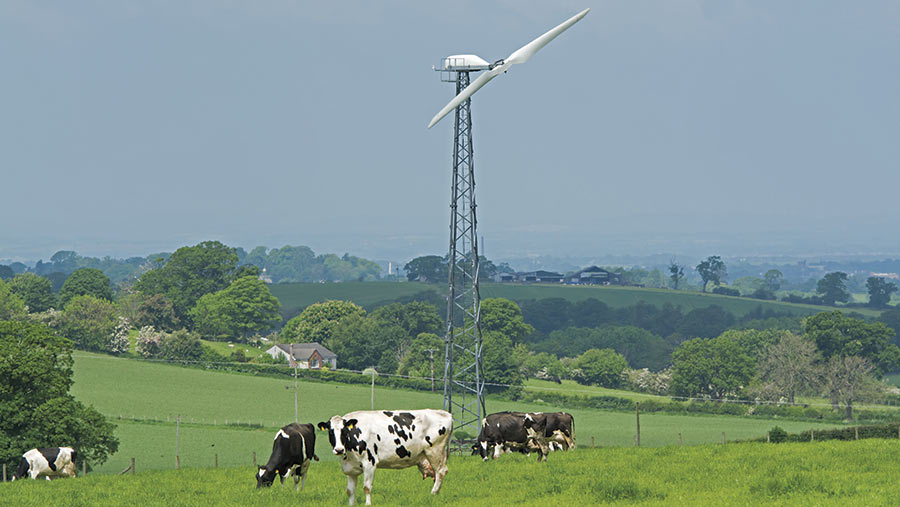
point(307, 355)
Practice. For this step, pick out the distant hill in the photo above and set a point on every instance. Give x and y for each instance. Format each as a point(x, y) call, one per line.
point(295, 297)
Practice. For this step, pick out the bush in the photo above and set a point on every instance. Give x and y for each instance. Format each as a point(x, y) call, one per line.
point(777, 435)
point(726, 291)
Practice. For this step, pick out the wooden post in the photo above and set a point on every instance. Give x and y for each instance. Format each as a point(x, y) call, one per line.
point(679, 440)
point(177, 433)
point(217, 460)
point(83, 468)
point(812, 436)
point(856, 432)
point(254, 459)
point(768, 438)
point(132, 466)
point(4, 472)
point(373, 390)
point(723, 438)
point(637, 416)
point(592, 444)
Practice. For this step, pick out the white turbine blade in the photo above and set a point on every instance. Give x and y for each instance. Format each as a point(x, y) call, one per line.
point(522, 54)
point(473, 87)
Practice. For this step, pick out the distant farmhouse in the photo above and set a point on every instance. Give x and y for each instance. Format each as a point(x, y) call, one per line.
point(592, 275)
point(307, 355)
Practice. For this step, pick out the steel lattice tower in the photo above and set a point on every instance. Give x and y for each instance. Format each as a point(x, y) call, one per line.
point(463, 370)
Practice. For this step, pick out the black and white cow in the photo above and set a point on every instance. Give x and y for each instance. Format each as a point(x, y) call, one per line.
point(47, 462)
point(504, 432)
point(367, 440)
point(551, 429)
point(294, 447)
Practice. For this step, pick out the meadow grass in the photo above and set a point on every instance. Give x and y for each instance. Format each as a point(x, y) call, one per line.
point(820, 473)
point(145, 398)
point(296, 296)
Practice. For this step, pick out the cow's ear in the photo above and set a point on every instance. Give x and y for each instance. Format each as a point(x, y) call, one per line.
point(324, 426)
point(350, 423)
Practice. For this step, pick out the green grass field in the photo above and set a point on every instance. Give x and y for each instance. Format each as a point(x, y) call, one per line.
point(149, 396)
point(296, 296)
point(822, 473)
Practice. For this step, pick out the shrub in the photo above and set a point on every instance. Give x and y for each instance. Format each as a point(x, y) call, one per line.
point(777, 435)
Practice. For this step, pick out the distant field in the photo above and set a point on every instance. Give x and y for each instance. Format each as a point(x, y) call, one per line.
point(208, 400)
point(820, 473)
point(296, 296)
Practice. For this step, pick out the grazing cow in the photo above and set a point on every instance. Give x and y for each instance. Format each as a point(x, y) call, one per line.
point(294, 447)
point(47, 462)
point(505, 432)
point(367, 440)
point(547, 429)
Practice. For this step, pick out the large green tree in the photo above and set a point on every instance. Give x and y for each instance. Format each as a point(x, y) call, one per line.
point(428, 268)
point(836, 334)
point(773, 280)
point(36, 291)
point(85, 281)
point(504, 316)
point(11, 306)
point(712, 270)
point(891, 318)
point(880, 291)
point(361, 342)
point(415, 318)
point(601, 367)
point(6, 272)
point(676, 273)
point(36, 409)
point(89, 322)
point(417, 359)
point(316, 322)
point(833, 288)
point(716, 368)
point(235, 312)
point(189, 274)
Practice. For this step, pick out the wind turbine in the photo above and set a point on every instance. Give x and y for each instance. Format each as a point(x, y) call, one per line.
point(464, 343)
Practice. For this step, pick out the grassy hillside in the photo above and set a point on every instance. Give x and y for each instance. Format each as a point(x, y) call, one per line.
point(211, 403)
point(821, 473)
point(296, 296)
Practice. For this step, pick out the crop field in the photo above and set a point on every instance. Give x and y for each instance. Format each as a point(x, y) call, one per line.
point(820, 473)
point(233, 415)
point(296, 296)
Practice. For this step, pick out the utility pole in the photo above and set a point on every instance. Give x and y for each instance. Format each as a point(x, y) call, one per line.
point(431, 358)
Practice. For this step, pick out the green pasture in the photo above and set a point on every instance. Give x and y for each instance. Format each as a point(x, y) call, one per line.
point(820, 473)
point(296, 296)
point(216, 409)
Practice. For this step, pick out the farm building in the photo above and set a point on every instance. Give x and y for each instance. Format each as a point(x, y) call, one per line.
point(307, 355)
point(594, 275)
point(532, 277)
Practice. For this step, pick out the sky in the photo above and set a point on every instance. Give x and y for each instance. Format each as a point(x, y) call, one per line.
point(684, 126)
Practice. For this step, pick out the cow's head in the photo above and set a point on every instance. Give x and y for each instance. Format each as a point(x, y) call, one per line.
point(484, 449)
point(535, 424)
point(342, 433)
point(264, 477)
point(22, 471)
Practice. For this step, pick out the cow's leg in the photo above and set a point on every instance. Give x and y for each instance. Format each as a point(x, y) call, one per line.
point(351, 487)
point(368, 478)
point(296, 471)
point(304, 468)
point(438, 460)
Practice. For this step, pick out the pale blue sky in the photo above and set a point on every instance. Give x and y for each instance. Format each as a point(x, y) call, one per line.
point(651, 126)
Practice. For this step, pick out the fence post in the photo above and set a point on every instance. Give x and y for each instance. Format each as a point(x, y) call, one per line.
point(217, 460)
point(4, 472)
point(132, 466)
point(177, 433)
point(637, 415)
point(84, 468)
point(723, 438)
point(592, 444)
point(812, 436)
point(679, 439)
point(254, 459)
point(768, 438)
point(856, 432)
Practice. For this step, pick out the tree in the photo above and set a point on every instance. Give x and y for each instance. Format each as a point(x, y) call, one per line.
point(601, 367)
point(789, 365)
point(705, 322)
point(316, 322)
point(717, 368)
point(416, 360)
point(891, 318)
point(36, 291)
point(180, 346)
point(676, 273)
point(712, 270)
point(158, 312)
point(36, 409)
point(547, 314)
point(85, 281)
point(773, 280)
point(89, 322)
point(504, 316)
point(11, 306)
point(428, 268)
point(847, 380)
point(189, 274)
point(880, 291)
point(833, 288)
point(415, 317)
point(6, 272)
point(499, 365)
point(836, 334)
point(235, 312)
point(361, 342)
